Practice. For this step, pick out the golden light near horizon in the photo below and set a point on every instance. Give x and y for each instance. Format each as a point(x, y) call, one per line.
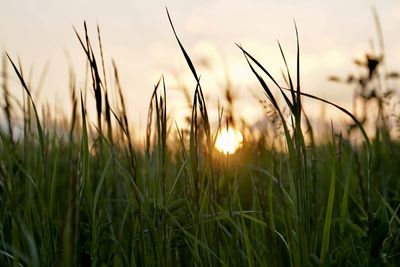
point(228, 141)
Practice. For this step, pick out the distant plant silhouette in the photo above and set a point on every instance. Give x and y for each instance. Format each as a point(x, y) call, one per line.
point(371, 84)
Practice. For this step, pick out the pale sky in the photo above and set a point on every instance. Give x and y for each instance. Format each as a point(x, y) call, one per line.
point(137, 35)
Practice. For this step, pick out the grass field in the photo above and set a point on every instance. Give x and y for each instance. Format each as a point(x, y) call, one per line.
point(90, 195)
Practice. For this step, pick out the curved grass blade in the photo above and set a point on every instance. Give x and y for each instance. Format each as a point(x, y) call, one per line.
point(357, 122)
point(38, 124)
point(187, 58)
point(268, 74)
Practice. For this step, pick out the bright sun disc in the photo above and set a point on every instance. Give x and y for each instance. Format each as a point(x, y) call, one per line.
point(228, 140)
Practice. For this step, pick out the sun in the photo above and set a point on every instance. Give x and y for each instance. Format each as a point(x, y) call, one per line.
point(228, 140)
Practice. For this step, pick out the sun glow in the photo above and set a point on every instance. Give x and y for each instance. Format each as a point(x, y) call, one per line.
point(228, 140)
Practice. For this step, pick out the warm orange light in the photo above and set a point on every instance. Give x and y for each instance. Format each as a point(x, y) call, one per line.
point(228, 140)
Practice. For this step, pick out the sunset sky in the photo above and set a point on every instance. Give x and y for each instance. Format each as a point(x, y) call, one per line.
point(137, 35)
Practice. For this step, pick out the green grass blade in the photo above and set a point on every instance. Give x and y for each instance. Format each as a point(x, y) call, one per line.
point(328, 217)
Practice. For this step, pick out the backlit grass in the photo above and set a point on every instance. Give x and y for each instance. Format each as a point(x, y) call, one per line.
point(92, 196)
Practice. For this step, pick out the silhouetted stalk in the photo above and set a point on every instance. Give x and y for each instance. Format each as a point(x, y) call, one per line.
point(7, 107)
point(96, 82)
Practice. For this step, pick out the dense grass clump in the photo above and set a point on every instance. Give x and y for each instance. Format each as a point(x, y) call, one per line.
point(91, 195)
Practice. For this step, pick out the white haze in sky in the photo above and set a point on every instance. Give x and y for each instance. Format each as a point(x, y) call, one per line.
point(137, 35)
